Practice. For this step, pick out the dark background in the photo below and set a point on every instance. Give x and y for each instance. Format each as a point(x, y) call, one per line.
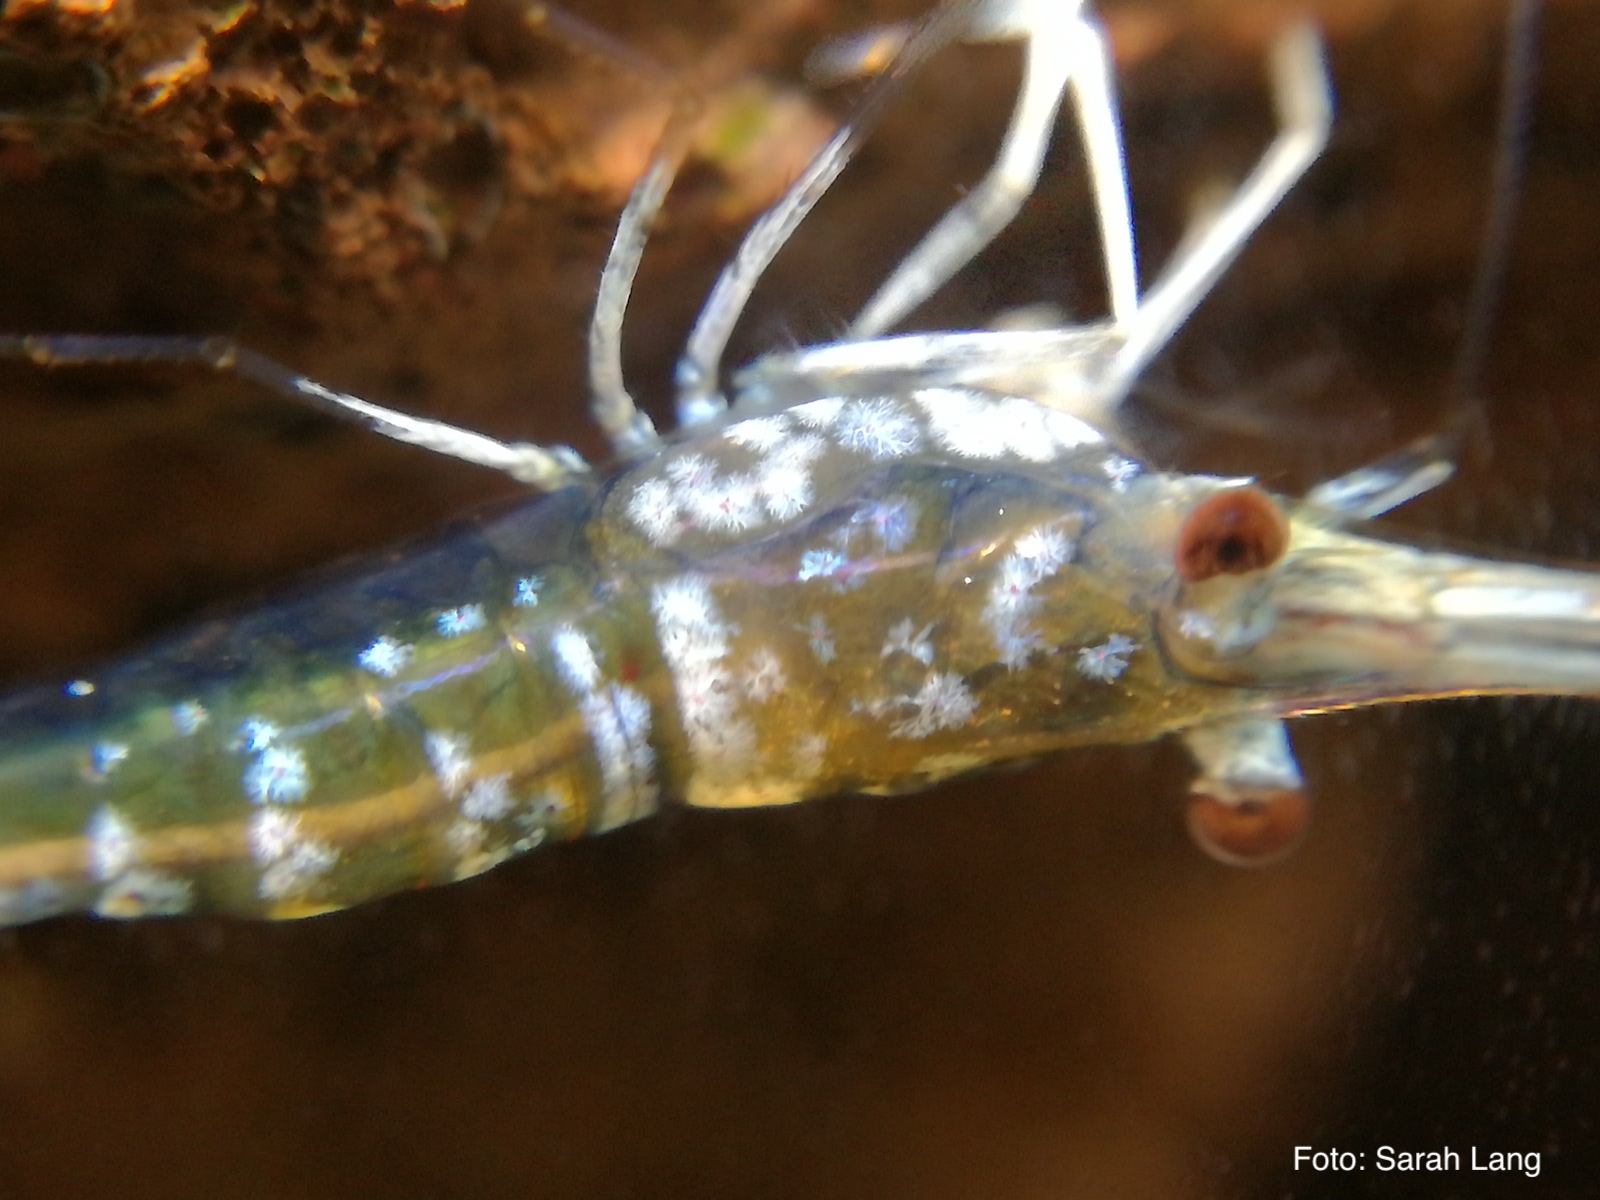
point(1025, 985)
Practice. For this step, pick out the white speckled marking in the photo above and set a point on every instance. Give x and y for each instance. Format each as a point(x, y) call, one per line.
point(278, 775)
point(489, 798)
point(820, 564)
point(880, 429)
point(943, 703)
point(457, 622)
point(189, 717)
point(819, 636)
point(1121, 472)
point(763, 676)
point(1195, 624)
point(1107, 661)
point(106, 757)
point(575, 659)
point(257, 734)
point(697, 492)
point(450, 756)
point(297, 871)
point(973, 424)
point(113, 845)
point(617, 721)
point(386, 657)
point(694, 642)
point(759, 433)
point(784, 488)
point(892, 523)
point(273, 833)
point(1035, 556)
point(906, 638)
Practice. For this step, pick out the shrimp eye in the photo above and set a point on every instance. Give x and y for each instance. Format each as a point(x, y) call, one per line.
point(1254, 827)
point(1231, 533)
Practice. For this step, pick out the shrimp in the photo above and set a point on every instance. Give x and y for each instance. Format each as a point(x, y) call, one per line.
point(878, 563)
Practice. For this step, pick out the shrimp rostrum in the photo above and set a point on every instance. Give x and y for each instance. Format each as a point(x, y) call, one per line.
point(890, 559)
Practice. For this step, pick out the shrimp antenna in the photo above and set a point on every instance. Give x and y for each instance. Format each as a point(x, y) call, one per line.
point(1427, 462)
point(1505, 192)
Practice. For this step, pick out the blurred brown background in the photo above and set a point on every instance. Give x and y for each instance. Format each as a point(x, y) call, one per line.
point(1028, 985)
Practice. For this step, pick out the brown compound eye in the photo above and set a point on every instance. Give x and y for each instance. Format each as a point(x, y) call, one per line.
point(1231, 533)
point(1253, 827)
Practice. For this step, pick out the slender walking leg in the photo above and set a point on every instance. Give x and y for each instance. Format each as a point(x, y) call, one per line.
point(699, 390)
point(547, 467)
point(1303, 97)
point(1063, 47)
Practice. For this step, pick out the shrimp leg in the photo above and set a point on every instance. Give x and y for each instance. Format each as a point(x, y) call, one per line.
point(1304, 102)
point(1085, 369)
point(1064, 48)
point(613, 406)
point(699, 395)
point(544, 467)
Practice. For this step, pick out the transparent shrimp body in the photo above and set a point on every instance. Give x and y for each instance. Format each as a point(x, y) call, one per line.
point(852, 594)
point(895, 559)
